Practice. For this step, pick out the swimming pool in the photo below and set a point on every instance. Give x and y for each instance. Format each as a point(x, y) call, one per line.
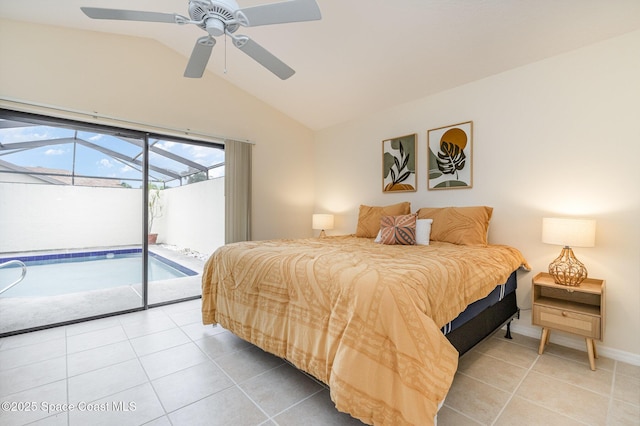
point(64, 273)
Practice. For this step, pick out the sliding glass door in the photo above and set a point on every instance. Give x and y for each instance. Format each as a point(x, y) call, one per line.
point(70, 216)
point(102, 220)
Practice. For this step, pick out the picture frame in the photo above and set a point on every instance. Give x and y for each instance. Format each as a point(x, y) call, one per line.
point(399, 164)
point(450, 152)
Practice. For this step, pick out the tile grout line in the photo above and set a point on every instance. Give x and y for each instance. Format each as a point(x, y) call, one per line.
point(296, 404)
point(149, 381)
point(524, 377)
point(583, 388)
point(237, 385)
point(147, 375)
point(541, 405)
point(67, 376)
point(617, 367)
point(462, 414)
point(613, 384)
point(66, 357)
point(502, 360)
point(234, 384)
point(166, 413)
point(137, 358)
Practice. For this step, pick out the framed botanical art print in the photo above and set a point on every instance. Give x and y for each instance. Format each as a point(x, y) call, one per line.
point(450, 157)
point(399, 164)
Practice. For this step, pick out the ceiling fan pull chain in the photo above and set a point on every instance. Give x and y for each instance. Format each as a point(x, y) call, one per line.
point(225, 53)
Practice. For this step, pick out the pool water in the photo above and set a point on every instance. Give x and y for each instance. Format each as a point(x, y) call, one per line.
point(93, 271)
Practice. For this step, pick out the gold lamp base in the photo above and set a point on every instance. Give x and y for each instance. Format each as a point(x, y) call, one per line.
point(566, 269)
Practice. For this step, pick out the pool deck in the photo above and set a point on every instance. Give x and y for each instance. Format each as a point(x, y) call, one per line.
point(24, 313)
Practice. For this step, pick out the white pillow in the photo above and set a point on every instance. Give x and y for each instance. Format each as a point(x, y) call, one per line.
point(423, 231)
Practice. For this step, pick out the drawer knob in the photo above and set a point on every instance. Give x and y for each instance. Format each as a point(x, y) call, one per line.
point(564, 314)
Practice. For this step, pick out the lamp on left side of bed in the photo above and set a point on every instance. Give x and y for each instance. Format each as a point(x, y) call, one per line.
point(322, 222)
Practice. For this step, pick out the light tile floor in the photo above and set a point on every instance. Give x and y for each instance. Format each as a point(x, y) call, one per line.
point(162, 367)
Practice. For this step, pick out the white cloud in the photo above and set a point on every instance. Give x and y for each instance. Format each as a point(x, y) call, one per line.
point(31, 133)
point(204, 155)
point(166, 145)
point(105, 163)
point(21, 135)
point(52, 151)
point(199, 151)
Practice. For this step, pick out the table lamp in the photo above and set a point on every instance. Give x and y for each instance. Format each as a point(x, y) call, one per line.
point(566, 269)
point(322, 221)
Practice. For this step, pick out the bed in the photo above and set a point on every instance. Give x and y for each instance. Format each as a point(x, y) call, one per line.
point(484, 317)
point(365, 318)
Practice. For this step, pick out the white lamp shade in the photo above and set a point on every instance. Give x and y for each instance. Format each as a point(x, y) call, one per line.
point(322, 221)
point(569, 232)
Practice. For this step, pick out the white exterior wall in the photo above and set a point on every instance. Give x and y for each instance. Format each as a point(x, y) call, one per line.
point(193, 216)
point(58, 217)
point(46, 217)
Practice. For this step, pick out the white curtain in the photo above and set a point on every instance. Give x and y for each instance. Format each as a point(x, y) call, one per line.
point(237, 190)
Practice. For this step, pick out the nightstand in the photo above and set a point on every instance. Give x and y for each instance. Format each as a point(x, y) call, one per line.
point(574, 309)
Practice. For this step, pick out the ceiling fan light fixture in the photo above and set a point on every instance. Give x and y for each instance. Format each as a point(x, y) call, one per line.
point(214, 27)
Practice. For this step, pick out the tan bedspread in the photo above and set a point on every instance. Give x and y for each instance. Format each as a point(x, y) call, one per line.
point(362, 317)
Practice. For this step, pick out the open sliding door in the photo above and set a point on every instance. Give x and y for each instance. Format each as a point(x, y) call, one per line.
point(185, 215)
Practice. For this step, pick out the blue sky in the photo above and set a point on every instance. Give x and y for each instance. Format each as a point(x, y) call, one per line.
point(91, 162)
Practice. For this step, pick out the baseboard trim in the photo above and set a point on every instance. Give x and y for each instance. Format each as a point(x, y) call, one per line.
point(524, 327)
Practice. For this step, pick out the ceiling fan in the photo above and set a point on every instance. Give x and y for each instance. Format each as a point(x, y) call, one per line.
point(224, 17)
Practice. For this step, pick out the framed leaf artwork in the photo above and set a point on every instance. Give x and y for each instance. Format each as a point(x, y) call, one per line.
point(399, 164)
point(450, 157)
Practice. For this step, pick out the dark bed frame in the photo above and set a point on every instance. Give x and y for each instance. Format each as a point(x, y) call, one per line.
point(486, 323)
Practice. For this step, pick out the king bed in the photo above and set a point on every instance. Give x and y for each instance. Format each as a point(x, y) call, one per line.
point(369, 319)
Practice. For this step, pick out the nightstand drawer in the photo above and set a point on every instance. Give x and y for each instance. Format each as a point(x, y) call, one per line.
point(564, 320)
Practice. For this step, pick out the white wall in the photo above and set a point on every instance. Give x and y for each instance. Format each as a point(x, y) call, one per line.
point(193, 216)
point(557, 137)
point(141, 80)
point(45, 217)
point(55, 217)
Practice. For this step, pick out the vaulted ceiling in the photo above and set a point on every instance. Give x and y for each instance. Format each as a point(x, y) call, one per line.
point(365, 55)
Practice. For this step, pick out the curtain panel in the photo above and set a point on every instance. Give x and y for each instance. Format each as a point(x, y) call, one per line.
point(237, 191)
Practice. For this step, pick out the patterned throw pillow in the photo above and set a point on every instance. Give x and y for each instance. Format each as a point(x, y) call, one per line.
point(398, 229)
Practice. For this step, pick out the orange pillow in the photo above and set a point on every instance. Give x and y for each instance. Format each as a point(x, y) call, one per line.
point(369, 217)
point(459, 225)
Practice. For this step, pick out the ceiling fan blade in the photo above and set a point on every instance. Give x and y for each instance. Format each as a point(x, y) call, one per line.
point(263, 57)
point(199, 57)
point(128, 15)
point(279, 13)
